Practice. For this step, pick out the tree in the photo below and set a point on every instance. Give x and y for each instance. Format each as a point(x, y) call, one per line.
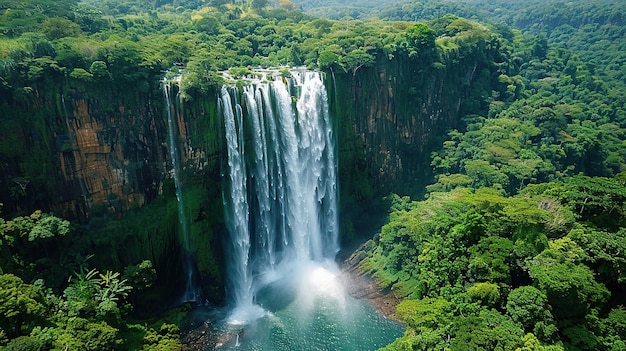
point(327, 59)
point(47, 226)
point(529, 306)
point(425, 314)
point(175, 49)
point(24, 343)
point(356, 59)
point(485, 174)
point(614, 325)
point(88, 17)
point(56, 28)
point(487, 293)
point(99, 70)
point(421, 42)
point(81, 292)
point(209, 25)
point(28, 241)
point(598, 200)
point(81, 74)
point(420, 35)
point(489, 260)
point(570, 286)
point(606, 253)
point(449, 182)
point(22, 306)
point(140, 276)
point(83, 334)
point(531, 343)
point(489, 330)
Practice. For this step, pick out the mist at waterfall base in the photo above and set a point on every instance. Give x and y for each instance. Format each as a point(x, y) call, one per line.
point(309, 309)
point(280, 202)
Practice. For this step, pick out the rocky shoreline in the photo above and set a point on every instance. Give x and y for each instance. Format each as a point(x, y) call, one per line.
point(201, 338)
point(363, 286)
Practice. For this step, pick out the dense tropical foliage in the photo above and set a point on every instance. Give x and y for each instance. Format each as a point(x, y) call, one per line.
point(518, 244)
point(480, 270)
point(50, 301)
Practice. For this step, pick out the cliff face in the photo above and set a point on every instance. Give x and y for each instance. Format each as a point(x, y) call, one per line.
point(117, 157)
point(391, 117)
point(85, 150)
point(95, 152)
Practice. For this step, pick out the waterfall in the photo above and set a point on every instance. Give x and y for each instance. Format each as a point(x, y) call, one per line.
point(239, 283)
point(280, 196)
point(191, 292)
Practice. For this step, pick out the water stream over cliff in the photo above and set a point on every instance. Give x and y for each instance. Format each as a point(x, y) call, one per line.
point(280, 200)
point(191, 292)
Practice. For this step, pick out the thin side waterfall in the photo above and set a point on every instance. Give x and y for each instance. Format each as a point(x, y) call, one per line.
point(191, 292)
point(281, 194)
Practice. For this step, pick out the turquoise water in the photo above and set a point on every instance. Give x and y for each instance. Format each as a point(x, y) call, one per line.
point(314, 314)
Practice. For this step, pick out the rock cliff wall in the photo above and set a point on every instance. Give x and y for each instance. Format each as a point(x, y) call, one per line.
point(84, 149)
point(391, 116)
point(98, 154)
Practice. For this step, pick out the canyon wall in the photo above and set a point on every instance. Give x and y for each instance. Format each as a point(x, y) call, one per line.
point(95, 152)
point(83, 149)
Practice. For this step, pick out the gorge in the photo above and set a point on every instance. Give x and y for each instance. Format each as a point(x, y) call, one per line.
point(232, 191)
point(110, 156)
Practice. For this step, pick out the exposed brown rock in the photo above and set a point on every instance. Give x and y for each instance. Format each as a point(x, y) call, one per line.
point(362, 286)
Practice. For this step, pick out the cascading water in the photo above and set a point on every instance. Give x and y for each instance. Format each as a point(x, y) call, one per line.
point(280, 202)
point(191, 292)
point(239, 283)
